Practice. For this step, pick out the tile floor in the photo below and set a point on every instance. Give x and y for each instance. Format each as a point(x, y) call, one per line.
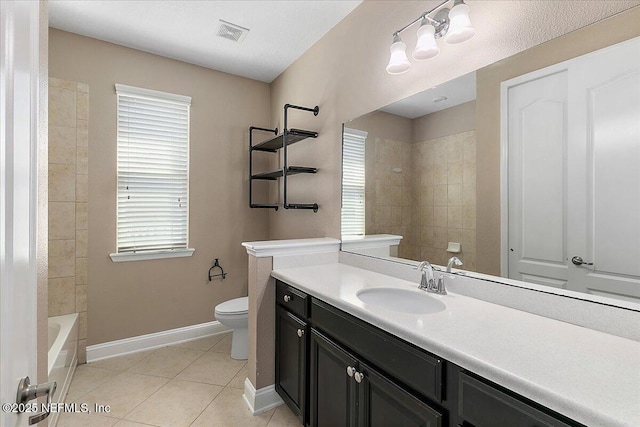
point(189, 384)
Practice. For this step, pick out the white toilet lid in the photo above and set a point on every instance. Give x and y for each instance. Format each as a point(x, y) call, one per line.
point(234, 306)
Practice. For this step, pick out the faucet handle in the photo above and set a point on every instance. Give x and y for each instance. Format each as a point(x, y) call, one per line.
point(440, 288)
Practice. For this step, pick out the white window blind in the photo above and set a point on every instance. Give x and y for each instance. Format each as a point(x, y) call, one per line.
point(353, 182)
point(153, 170)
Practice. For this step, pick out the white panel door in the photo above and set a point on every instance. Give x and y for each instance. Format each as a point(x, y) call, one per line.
point(604, 93)
point(574, 174)
point(537, 121)
point(19, 52)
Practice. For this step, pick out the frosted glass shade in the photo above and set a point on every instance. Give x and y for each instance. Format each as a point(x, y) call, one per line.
point(460, 28)
point(398, 62)
point(426, 47)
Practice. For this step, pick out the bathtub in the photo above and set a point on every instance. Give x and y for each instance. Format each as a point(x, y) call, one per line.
point(63, 356)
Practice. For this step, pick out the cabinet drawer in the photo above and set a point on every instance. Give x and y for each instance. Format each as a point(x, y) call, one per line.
point(292, 299)
point(484, 405)
point(407, 364)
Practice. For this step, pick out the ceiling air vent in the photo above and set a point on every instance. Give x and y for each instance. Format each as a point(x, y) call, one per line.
point(232, 31)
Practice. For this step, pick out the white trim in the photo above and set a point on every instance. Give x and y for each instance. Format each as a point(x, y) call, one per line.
point(155, 340)
point(270, 248)
point(369, 241)
point(141, 256)
point(262, 400)
point(138, 91)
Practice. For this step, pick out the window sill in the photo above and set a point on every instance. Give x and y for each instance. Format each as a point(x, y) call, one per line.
point(142, 256)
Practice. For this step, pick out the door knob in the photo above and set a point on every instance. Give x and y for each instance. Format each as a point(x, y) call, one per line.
point(27, 392)
point(578, 261)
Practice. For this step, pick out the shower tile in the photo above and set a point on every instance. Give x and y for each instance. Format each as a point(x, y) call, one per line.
point(81, 298)
point(81, 188)
point(60, 83)
point(82, 160)
point(61, 266)
point(82, 325)
point(229, 410)
point(62, 296)
point(122, 363)
point(454, 194)
point(454, 173)
point(82, 87)
point(82, 237)
point(224, 346)
point(85, 379)
point(82, 352)
point(166, 362)
point(212, 368)
point(62, 183)
point(62, 145)
point(238, 380)
point(82, 218)
point(82, 133)
point(82, 105)
point(124, 392)
point(283, 417)
point(81, 271)
point(83, 420)
point(176, 404)
point(62, 220)
point(62, 248)
point(62, 107)
point(202, 344)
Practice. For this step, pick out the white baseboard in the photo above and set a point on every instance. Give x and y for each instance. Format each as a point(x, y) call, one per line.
point(262, 400)
point(155, 340)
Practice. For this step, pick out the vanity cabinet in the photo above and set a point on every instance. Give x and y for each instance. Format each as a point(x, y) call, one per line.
point(292, 343)
point(342, 371)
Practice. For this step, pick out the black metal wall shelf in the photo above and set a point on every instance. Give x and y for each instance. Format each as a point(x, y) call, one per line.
point(272, 145)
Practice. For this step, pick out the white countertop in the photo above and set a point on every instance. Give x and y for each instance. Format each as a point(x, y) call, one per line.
point(586, 375)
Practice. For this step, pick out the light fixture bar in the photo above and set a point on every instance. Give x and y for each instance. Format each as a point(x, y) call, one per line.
point(423, 16)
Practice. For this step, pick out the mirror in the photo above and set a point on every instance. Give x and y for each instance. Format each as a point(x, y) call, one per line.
point(420, 177)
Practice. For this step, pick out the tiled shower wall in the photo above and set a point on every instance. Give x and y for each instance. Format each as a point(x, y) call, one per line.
point(445, 193)
point(68, 219)
point(388, 207)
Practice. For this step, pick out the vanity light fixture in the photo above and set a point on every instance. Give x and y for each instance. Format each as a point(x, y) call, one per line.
point(452, 24)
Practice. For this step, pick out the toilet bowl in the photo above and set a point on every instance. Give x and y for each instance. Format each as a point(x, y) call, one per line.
point(235, 314)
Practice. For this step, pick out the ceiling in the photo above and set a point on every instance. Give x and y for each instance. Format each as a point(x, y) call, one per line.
point(456, 91)
point(280, 31)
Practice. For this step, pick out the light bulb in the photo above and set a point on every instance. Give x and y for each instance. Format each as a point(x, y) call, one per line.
point(426, 46)
point(460, 28)
point(398, 62)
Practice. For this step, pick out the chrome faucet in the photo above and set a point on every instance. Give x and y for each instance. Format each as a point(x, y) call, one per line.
point(453, 260)
point(426, 283)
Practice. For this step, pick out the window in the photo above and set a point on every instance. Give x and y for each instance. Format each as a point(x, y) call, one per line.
point(153, 174)
point(353, 182)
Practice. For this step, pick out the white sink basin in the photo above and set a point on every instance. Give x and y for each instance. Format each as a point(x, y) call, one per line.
point(401, 300)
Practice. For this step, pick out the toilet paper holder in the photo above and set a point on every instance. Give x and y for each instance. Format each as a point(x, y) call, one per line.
point(216, 264)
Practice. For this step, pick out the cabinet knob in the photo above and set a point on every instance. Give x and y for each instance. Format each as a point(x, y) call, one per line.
point(287, 298)
point(350, 371)
point(300, 332)
point(359, 376)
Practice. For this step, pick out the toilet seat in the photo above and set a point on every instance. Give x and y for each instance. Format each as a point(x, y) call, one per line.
point(237, 306)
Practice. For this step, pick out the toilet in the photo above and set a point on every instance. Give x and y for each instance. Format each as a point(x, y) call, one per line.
point(235, 314)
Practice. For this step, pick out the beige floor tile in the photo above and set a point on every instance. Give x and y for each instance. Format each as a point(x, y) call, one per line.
point(224, 346)
point(166, 362)
point(229, 410)
point(84, 420)
point(176, 404)
point(202, 344)
point(238, 380)
point(126, 423)
point(124, 392)
point(121, 363)
point(283, 417)
point(212, 368)
point(85, 379)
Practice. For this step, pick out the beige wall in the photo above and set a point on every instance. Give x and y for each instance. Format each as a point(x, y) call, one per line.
point(344, 73)
point(616, 29)
point(68, 207)
point(450, 121)
point(134, 298)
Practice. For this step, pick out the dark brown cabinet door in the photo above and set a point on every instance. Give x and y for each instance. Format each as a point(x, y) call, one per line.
point(291, 359)
point(383, 403)
point(332, 392)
